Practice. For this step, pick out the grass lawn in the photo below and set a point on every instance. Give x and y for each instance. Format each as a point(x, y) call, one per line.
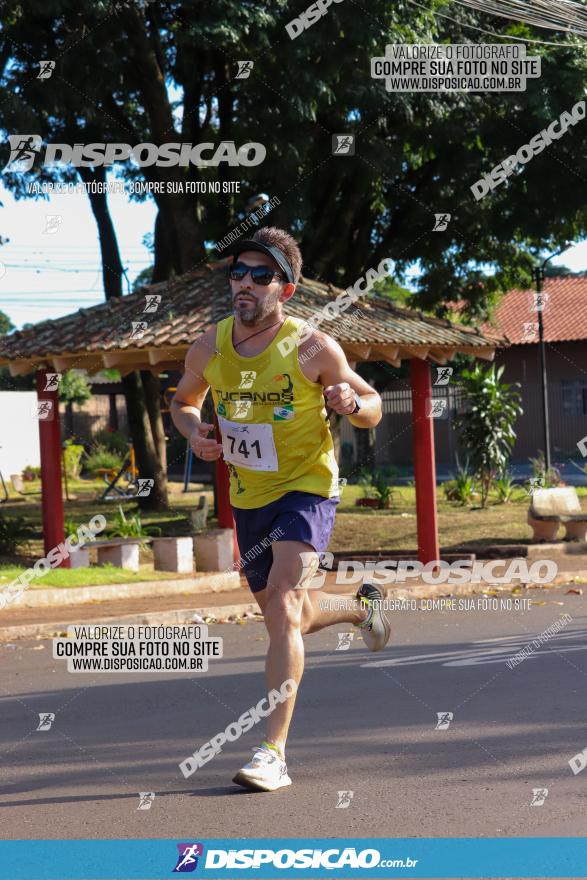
point(87, 577)
point(395, 529)
point(355, 528)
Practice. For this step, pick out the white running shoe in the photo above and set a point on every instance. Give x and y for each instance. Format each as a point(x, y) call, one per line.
point(376, 628)
point(265, 772)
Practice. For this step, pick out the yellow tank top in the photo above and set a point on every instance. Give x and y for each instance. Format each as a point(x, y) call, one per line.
point(273, 421)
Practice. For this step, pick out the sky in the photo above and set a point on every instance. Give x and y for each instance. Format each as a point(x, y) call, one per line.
point(47, 275)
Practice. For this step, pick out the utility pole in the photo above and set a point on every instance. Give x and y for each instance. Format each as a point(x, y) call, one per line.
point(538, 273)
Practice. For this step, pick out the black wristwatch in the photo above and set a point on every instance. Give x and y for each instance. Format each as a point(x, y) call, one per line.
point(357, 404)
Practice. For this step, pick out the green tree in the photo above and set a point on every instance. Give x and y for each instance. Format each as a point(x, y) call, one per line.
point(487, 427)
point(8, 382)
point(6, 324)
point(73, 388)
point(136, 72)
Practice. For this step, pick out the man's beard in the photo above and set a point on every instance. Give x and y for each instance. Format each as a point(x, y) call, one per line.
point(250, 315)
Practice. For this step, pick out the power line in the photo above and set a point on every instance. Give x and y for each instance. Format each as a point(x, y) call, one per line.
point(559, 15)
point(506, 37)
point(52, 268)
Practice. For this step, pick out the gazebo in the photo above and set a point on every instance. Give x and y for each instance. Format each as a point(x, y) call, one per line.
point(171, 314)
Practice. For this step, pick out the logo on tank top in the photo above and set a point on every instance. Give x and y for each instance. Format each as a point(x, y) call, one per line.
point(240, 395)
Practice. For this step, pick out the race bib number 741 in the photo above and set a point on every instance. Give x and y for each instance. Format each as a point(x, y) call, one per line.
point(248, 446)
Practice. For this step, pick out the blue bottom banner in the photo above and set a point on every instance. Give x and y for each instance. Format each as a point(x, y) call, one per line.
point(294, 857)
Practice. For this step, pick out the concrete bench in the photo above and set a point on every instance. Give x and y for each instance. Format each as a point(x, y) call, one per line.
point(120, 552)
point(170, 554)
point(551, 507)
point(174, 554)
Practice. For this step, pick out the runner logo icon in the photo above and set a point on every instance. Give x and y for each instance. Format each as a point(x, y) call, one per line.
point(187, 860)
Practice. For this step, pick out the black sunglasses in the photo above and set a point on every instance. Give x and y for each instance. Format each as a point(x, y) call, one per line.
point(262, 275)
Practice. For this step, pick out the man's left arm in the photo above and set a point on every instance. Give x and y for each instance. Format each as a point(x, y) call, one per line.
point(342, 384)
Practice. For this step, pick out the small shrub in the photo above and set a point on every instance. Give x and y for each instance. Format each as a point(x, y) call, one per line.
point(72, 456)
point(544, 479)
point(462, 488)
point(365, 479)
point(383, 490)
point(131, 526)
point(504, 488)
point(70, 526)
point(30, 473)
point(113, 441)
point(14, 531)
point(100, 457)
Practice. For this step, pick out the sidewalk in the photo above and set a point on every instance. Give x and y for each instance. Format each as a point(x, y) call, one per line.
point(46, 622)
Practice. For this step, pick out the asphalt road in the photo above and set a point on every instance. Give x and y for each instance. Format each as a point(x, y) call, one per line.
point(364, 724)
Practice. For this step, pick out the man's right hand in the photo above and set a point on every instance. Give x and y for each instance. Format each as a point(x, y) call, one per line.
point(203, 447)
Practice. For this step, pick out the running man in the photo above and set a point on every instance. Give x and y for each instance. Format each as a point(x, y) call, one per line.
point(269, 390)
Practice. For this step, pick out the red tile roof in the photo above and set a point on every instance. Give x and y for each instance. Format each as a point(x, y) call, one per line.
point(564, 315)
point(194, 301)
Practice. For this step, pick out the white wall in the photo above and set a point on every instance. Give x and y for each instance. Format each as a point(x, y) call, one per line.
point(19, 432)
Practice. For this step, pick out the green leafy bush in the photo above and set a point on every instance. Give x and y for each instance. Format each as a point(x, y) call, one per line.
point(74, 387)
point(70, 526)
point(504, 488)
point(365, 479)
point(462, 488)
point(31, 473)
point(545, 479)
point(383, 489)
point(14, 531)
point(100, 457)
point(487, 424)
point(114, 441)
point(72, 457)
point(131, 526)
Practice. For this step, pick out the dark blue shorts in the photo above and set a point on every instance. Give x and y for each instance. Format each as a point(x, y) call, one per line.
point(299, 516)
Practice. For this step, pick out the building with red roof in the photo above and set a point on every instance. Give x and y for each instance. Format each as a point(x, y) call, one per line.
point(564, 316)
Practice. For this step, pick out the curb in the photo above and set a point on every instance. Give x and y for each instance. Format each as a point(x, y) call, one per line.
point(200, 584)
point(417, 590)
point(176, 615)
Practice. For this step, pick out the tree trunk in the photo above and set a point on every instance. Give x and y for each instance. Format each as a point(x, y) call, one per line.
point(69, 419)
point(163, 268)
point(365, 448)
point(112, 268)
point(145, 449)
point(152, 391)
point(142, 399)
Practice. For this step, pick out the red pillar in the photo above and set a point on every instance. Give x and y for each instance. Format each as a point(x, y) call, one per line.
point(222, 489)
point(50, 442)
point(424, 461)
